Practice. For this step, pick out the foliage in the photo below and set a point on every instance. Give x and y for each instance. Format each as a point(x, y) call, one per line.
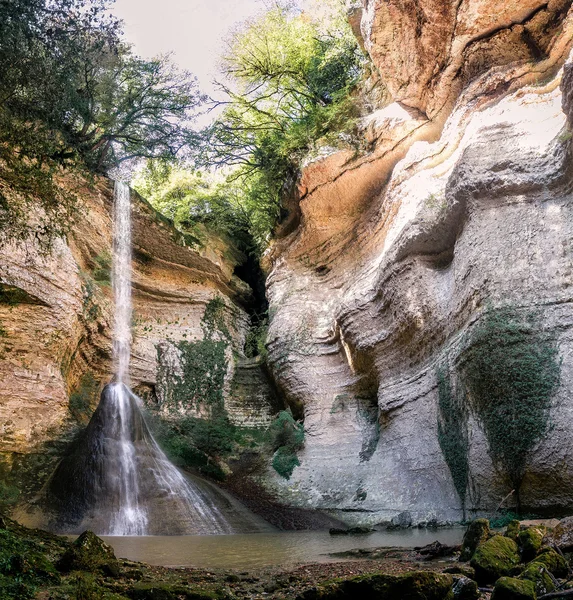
point(286, 437)
point(23, 567)
point(289, 79)
point(511, 370)
point(8, 496)
point(74, 96)
point(452, 431)
point(255, 343)
point(213, 319)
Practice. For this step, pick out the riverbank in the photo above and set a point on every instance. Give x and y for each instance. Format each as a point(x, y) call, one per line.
point(37, 564)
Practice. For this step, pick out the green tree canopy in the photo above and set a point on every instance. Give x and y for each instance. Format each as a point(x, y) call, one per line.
point(72, 96)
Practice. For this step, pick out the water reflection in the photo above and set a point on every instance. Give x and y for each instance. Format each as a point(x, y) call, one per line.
point(248, 551)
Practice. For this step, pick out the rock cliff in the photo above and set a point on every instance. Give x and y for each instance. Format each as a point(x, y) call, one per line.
point(56, 321)
point(461, 208)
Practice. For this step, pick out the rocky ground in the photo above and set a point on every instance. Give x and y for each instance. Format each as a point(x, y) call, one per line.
point(524, 562)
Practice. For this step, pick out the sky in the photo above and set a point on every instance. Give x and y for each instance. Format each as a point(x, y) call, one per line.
point(193, 30)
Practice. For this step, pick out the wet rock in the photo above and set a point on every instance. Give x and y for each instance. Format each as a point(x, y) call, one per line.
point(465, 589)
point(529, 542)
point(418, 585)
point(437, 550)
point(89, 553)
point(539, 575)
point(401, 521)
point(477, 533)
point(349, 531)
point(510, 588)
point(494, 559)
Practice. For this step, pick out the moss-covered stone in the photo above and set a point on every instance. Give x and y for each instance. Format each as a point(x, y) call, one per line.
point(418, 585)
point(512, 530)
point(554, 562)
point(89, 553)
point(529, 542)
point(494, 559)
point(167, 591)
point(539, 575)
point(477, 533)
point(509, 588)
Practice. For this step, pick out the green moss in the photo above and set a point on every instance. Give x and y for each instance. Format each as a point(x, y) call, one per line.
point(101, 271)
point(495, 558)
point(512, 530)
point(213, 319)
point(538, 574)
point(477, 533)
point(510, 588)
point(417, 585)
point(91, 554)
point(529, 542)
point(554, 562)
point(453, 432)
point(201, 379)
point(511, 370)
point(83, 398)
point(23, 567)
point(286, 437)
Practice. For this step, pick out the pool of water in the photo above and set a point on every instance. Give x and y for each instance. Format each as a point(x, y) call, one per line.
point(258, 550)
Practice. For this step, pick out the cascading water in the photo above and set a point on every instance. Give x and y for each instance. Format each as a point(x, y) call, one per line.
point(117, 481)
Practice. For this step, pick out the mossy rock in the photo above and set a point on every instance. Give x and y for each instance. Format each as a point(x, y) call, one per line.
point(512, 530)
point(494, 559)
point(418, 585)
point(477, 533)
point(554, 562)
point(89, 553)
point(168, 591)
point(539, 575)
point(510, 588)
point(529, 542)
point(464, 570)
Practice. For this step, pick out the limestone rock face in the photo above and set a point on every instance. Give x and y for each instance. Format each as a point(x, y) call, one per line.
point(56, 319)
point(464, 203)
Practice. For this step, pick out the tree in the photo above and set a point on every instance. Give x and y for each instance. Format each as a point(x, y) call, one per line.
point(288, 86)
point(73, 96)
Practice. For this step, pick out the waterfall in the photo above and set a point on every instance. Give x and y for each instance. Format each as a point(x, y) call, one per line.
point(121, 281)
point(117, 481)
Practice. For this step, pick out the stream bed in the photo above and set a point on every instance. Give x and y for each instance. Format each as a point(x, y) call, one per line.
point(259, 550)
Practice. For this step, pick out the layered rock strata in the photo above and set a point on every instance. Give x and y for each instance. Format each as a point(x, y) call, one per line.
point(464, 203)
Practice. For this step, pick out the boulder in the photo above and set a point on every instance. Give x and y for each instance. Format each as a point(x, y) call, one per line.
point(401, 521)
point(510, 588)
point(562, 535)
point(512, 530)
point(477, 533)
point(89, 553)
point(417, 585)
point(465, 588)
point(529, 542)
point(554, 562)
point(494, 559)
point(539, 575)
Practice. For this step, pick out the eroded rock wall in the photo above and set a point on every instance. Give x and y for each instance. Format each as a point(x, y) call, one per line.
point(56, 318)
point(465, 202)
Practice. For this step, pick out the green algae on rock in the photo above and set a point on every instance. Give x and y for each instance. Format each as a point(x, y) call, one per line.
point(510, 588)
point(477, 533)
point(494, 559)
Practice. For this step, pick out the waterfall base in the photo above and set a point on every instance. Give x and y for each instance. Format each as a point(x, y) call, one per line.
point(117, 481)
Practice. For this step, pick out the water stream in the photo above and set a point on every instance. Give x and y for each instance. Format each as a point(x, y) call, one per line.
point(117, 481)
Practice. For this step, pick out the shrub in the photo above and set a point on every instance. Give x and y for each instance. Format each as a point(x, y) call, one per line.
point(286, 437)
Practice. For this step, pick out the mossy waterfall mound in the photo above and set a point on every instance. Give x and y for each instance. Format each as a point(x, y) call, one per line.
point(118, 481)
